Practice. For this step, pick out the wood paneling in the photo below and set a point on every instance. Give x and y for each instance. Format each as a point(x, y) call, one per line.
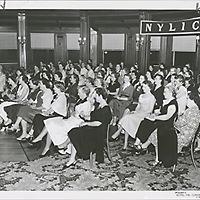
point(13, 150)
point(10, 148)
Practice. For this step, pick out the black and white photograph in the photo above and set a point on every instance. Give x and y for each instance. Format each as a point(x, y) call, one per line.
point(100, 96)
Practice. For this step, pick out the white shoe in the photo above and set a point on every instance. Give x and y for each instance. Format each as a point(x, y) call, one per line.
point(68, 150)
point(31, 132)
point(3, 128)
point(9, 121)
point(197, 149)
point(64, 151)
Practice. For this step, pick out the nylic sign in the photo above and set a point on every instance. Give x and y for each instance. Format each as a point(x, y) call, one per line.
point(181, 27)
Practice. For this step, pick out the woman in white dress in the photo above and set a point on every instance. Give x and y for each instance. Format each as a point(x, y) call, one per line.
point(130, 122)
point(58, 127)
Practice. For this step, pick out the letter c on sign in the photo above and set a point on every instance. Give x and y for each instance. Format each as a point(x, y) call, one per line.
point(195, 25)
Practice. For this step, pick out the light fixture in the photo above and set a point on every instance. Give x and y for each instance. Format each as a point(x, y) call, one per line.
point(82, 41)
point(22, 40)
point(139, 40)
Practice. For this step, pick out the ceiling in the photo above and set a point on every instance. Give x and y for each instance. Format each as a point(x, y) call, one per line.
point(99, 19)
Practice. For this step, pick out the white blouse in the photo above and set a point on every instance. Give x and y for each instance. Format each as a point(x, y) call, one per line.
point(60, 105)
point(47, 99)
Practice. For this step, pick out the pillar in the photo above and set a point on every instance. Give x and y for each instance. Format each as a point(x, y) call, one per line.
point(166, 50)
point(99, 48)
point(197, 63)
point(130, 48)
point(93, 47)
point(144, 47)
point(84, 40)
point(29, 51)
point(22, 40)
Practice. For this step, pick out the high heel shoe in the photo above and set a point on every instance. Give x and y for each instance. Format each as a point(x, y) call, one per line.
point(12, 130)
point(141, 151)
point(157, 163)
point(46, 154)
point(113, 139)
point(29, 137)
point(35, 145)
point(62, 151)
point(21, 139)
point(70, 165)
point(197, 149)
point(137, 147)
point(8, 122)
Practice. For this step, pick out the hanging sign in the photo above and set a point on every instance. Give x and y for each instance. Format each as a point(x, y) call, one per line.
point(181, 27)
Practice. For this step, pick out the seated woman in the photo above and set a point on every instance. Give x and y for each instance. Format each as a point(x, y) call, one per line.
point(113, 87)
point(149, 76)
point(190, 85)
point(164, 138)
point(181, 94)
point(119, 103)
point(13, 110)
point(57, 108)
point(21, 97)
point(58, 128)
point(136, 93)
point(72, 92)
point(89, 137)
point(27, 113)
point(99, 82)
point(130, 122)
point(188, 123)
point(11, 89)
point(134, 77)
point(158, 90)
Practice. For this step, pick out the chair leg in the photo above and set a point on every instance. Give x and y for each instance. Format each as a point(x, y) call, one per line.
point(91, 160)
point(108, 146)
point(174, 167)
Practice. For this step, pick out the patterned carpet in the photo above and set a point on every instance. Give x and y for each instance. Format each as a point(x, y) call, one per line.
point(127, 173)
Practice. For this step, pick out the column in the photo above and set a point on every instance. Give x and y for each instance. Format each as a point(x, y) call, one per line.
point(166, 50)
point(22, 39)
point(130, 48)
point(99, 48)
point(144, 48)
point(93, 47)
point(29, 50)
point(197, 67)
point(84, 40)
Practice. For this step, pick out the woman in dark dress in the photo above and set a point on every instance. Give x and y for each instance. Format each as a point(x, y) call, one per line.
point(158, 90)
point(113, 87)
point(72, 93)
point(167, 138)
point(89, 137)
point(166, 153)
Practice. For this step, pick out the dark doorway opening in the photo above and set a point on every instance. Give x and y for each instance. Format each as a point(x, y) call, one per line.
point(182, 58)
point(46, 56)
point(114, 57)
point(74, 55)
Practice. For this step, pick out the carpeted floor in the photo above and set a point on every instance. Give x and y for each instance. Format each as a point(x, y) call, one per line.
point(127, 173)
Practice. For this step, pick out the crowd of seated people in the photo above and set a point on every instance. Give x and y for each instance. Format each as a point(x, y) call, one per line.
point(70, 106)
